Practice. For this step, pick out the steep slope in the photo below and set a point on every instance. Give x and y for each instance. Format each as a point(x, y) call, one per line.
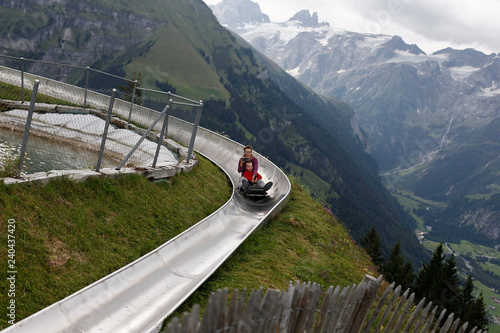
point(363, 200)
point(424, 115)
point(246, 101)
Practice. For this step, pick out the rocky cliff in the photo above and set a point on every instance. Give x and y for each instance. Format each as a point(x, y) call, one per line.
point(70, 32)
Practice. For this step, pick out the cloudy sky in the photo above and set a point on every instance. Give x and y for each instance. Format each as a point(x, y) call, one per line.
point(431, 24)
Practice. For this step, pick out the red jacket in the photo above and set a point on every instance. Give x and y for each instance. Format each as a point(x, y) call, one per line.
point(249, 175)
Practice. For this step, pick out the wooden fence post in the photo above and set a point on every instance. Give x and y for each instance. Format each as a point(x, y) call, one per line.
point(299, 310)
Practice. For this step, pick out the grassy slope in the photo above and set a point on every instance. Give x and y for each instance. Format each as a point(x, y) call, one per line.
point(176, 51)
point(185, 68)
point(319, 187)
point(71, 234)
point(304, 243)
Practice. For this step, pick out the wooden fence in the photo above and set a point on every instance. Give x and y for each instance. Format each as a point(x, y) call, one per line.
point(306, 308)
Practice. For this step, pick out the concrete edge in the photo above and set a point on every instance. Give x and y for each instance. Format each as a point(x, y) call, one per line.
point(151, 173)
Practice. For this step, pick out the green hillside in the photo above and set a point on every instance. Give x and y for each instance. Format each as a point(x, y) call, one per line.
point(70, 234)
point(303, 243)
point(177, 63)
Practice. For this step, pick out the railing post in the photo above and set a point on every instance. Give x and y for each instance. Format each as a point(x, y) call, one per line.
point(105, 134)
point(195, 129)
point(153, 124)
point(132, 102)
point(27, 128)
point(163, 133)
point(86, 87)
point(22, 80)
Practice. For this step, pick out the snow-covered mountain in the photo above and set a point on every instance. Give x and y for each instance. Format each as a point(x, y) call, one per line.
point(433, 121)
point(381, 76)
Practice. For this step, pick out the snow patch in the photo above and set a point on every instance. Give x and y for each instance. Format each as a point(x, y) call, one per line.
point(294, 72)
point(406, 56)
point(491, 91)
point(286, 31)
point(374, 42)
point(462, 73)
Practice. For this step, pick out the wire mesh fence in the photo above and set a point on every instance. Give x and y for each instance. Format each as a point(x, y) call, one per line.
point(71, 112)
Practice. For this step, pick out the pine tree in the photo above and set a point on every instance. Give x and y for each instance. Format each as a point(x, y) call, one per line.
point(438, 281)
point(472, 310)
point(396, 270)
point(450, 285)
point(478, 315)
point(465, 301)
point(408, 276)
point(371, 243)
point(429, 279)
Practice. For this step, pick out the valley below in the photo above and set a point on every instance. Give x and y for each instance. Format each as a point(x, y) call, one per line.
point(482, 262)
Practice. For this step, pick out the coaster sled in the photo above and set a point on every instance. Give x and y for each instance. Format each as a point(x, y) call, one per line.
point(254, 193)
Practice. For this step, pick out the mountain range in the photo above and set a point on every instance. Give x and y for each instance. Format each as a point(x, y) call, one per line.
point(432, 122)
point(179, 44)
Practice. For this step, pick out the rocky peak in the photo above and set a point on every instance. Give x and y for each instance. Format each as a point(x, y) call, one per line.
point(236, 13)
point(397, 43)
point(67, 30)
point(307, 20)
point(467, 57)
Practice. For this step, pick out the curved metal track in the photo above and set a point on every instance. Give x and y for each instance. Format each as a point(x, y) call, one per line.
point(139, 296)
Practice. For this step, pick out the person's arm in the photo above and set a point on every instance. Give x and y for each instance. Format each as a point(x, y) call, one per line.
point(255, 163)
point(240, 166)
point(254, 179)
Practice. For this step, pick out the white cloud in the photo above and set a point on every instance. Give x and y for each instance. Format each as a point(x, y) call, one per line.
point(432, 25)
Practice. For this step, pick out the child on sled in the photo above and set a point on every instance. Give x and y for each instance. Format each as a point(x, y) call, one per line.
point(250, 181)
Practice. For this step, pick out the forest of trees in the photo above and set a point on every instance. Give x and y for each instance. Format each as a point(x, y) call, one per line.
point(437, 281)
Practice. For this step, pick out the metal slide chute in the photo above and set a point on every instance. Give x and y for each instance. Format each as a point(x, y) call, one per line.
point(139, 296)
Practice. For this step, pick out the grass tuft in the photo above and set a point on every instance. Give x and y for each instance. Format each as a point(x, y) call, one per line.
point(70, 234)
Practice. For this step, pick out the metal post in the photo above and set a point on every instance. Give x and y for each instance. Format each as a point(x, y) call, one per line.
point(163, 133)
point(86, 87)
point(132, 102)
point(105, 134)
point(22, 80)
point(153, 124)
point(27, 128)
point(195, 129)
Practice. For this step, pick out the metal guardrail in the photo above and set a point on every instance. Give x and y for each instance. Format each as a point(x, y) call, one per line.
point(78, 95)
point(138, 297)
